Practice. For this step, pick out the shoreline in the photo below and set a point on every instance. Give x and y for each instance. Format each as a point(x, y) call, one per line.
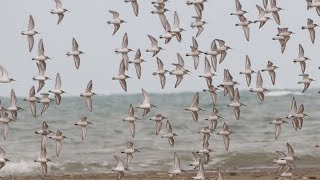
point(252, 174)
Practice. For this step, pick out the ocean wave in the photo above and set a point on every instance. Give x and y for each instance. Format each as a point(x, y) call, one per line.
point(283, 93)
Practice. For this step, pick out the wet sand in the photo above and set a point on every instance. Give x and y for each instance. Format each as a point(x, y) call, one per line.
point(229, 175)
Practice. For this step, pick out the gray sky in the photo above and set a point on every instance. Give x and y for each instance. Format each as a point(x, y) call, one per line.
point(87, 23)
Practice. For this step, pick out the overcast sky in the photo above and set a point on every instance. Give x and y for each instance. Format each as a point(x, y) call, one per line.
point(87, 23)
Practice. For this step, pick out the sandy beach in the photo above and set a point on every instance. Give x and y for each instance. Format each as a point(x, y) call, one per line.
point(229, 175)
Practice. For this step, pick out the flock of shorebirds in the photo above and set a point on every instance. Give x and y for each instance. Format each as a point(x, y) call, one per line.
point(218, 48)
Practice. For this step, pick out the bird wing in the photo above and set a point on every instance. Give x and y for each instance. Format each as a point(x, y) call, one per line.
point(125, 41)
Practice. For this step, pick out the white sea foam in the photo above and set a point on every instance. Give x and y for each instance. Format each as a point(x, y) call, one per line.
point(20, 167)
point(283, 93)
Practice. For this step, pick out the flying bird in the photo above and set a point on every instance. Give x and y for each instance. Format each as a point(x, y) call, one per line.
point(274, 9)
point(310, 26)
point(41, 78)
point(59, 10)
point(239, 11)
point(146, 105)
point(222, 49)
point(158, 119)
point(161, 72)
point(44, 132)
point(135, 6)
point(131, 119)
point(116, 22)
point(5, 76)
point(137, 63)
point(83, 124)
point(259, 89)
point(121, 167)
point(45, 101)
point(41, 57)
point(235, 104)
point(213, 52)
point(3, 160)
point(88, 95)
point(177, 169)
point(43, 160)
point(75, 53)
point(57, 89)
point(301, 59)
point(214, 117)
point(130, 151)
point(212, 90)
point(247, 72)
point(5, 120)
point(225, 133)
point(58, 137)
point(194, 108)
point(169, 135)
point(271, 70)
point(244, 23)
point(207, 72)
point(32, 99)
point(122, 77)
point(154, 46)
point(180, 71)
point(262, 17)
point(195, 53)
point(30, 33)
point(198, 23)
point(13, 105)
point(306, 81)
point(277, 123)
point(124, 50)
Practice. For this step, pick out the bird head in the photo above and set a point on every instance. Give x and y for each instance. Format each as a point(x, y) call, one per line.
point(122, 21)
